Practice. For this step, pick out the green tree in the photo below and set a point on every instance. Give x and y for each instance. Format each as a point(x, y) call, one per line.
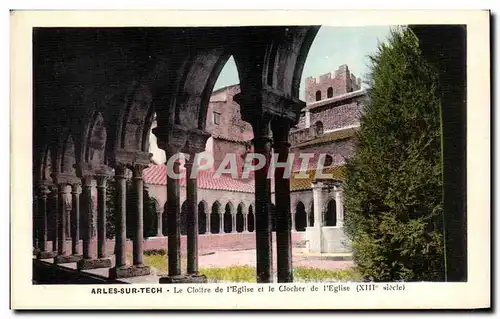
point(393, 186)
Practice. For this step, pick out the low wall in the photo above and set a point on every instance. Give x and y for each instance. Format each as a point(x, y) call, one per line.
point(334, 240)
point(206, 243)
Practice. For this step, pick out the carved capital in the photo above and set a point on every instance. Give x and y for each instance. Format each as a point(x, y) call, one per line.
point(268, 103)
point(196, 142)
point(87, 181)
point(43, 191)
point(137, 170)
point(172, 139)
point(75, 188)
point(101, 180)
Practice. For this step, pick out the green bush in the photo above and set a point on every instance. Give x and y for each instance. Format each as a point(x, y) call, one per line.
point(393, 186)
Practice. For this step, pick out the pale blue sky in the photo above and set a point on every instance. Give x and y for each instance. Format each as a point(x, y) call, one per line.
point(332, 47)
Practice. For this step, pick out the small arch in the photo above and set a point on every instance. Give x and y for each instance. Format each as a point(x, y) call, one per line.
point(240, 218)
point(228, 218)
point(251, 219)
point(300, 217)
point(318, 128)
point(311, 215)
point(318, 95)
point(330, 213)
point(202, 217)
point(328, 160)
point(329, 92)
point(215, 218)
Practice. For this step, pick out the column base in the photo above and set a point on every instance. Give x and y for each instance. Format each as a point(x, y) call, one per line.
point(46, 254)
point(67, 259)
point(84, 264)
point(184, 279)
point(129, 271)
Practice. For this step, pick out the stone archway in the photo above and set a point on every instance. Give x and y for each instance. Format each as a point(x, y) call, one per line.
point(202, 218)
point(330, 214)
point(215, 218)
point(251, 219)
point(240, 224)
point(300, 217)
point(228, 218)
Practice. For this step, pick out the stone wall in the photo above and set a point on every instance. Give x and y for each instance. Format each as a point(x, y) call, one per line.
point(340, 83)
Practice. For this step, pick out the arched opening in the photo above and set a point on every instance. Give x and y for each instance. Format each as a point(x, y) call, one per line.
point(202, 218)
point(330, 214)
point(311, 215)
point(328, 160)
point(300, 217)
point(329, 92)
point(318, 95)
point(228, 218)
point(184, 213)
point(215, 218)
point(239, 218)
point(251, 219)
point(318, 128)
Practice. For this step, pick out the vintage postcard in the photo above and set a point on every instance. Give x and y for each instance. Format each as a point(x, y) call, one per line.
point(250, 160)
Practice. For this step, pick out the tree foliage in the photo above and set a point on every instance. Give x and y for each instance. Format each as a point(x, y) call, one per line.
point(393, 186)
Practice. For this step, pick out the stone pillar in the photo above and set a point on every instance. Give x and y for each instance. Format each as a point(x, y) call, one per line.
point(87, 220)
point(192, 218)
point(281, 130)
point(221, 223)
point(43, 253)
point(101, 216)
point(89, 260)
point(339, 206)
point(54, 218)
point(233, 222)
point(75, 219)
point(174, 221)
point(120, 222)
point(245, 222)
point(207, 218)
point(137, 191)
point(292, 217)
point(159, 224)
point(314, 232)
point(263, 226)
point(61, 249)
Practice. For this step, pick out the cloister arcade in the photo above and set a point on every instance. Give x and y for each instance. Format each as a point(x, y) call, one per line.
point(95, 93)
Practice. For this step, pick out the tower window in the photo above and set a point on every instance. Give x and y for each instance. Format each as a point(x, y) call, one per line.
point(318, 95)
point(329, 92)
point(216, 118)
point(328, 160)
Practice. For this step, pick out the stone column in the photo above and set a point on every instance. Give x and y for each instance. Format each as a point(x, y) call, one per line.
point(292, 217)
point(339, 206)
point(120, 221)
point(233, 222)
point(192, 218)
point(87, 220)
point(75, 219)
point(245, 222)
point(101, 216)
point(137, 191)
point(207, 218)
point(314, 232)
point(61, 249)
point(221, 223)
point(44, 253)
point(159, 224)
point(263, 226)
point(281, 130)
point(54, 218)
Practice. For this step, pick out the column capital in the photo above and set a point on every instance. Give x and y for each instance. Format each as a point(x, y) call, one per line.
point(172, 139)
point(101, 180)
point(87, 180)
point(196, 142)
point(43, 191)
point(137, 169)
point(75, 188)
point(120, 169)
point(268, 102)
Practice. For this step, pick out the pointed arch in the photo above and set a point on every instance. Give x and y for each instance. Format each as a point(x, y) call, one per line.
point(240, 217)
point(330, 213)
point(215, 218)
point(202, 217)
point(250, 219)
point(300, 217)
point(228, 217)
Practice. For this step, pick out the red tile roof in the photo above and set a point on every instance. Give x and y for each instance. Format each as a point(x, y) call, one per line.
point(157, 175)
